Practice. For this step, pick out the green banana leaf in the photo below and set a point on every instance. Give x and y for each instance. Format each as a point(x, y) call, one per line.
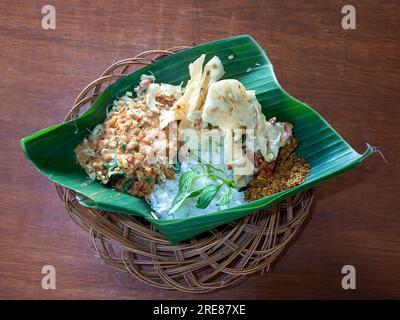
point(51, 150)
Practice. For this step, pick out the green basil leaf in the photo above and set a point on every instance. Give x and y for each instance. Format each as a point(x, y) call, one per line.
point(226, 198)
point(207, 195)
point(195, 193)
point(210, 166)
point(192, 194)
point(186, 179)
point(176, 204)
point(185, 183)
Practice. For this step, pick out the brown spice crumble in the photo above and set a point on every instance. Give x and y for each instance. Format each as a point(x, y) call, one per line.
point(286, 172)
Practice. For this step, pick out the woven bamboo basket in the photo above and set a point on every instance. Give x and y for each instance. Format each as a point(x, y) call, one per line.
point(219, 258)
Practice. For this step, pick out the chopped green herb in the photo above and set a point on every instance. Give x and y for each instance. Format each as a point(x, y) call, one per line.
point(177, 167)
point(112, 165)
point(123, 146)
point(149, 180)
point(127, 185)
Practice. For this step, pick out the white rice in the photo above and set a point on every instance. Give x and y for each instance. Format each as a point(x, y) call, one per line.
point(163, 195)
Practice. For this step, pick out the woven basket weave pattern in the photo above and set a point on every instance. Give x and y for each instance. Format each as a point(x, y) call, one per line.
point(219, 258)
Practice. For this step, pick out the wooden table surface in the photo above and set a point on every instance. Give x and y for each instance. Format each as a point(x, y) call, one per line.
point(351, 77)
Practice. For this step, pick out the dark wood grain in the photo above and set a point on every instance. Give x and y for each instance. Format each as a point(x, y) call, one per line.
point(351, 77)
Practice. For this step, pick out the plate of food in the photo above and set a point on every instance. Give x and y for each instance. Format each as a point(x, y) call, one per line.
point(195, 140)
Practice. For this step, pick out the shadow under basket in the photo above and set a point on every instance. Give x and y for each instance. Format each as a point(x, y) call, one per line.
point(213, 260)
